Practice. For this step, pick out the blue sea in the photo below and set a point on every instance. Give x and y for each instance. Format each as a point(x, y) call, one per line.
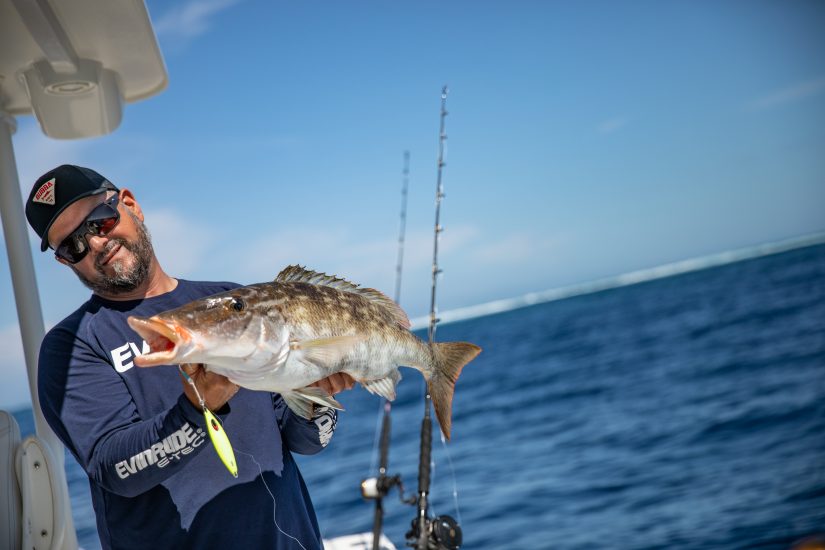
point(685, 412)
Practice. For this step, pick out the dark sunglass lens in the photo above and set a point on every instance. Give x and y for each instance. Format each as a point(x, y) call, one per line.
point(103, 219)
point(103, 226)
point(73, 249)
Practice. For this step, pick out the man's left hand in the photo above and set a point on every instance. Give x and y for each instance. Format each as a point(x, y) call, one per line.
point(336, 383)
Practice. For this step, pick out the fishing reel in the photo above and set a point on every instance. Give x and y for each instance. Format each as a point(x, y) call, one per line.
point(379, 487)
point(375, 488)
point(442, 532)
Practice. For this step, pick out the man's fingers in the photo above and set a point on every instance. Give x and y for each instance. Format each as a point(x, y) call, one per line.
point(325, 385)
point(335, 383)
point(349, 381)
point(341, 381)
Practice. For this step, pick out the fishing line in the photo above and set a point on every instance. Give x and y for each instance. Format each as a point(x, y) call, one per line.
point(274, 503)
point(374, 453)
point(433, 477)
point(452, 473)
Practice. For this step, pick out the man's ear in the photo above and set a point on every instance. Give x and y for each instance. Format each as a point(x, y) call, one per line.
point(128, 200)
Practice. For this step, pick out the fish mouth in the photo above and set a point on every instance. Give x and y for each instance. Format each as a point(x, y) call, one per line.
point(165, 339)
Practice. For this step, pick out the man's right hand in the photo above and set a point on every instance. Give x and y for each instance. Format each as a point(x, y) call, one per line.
point(215, 389)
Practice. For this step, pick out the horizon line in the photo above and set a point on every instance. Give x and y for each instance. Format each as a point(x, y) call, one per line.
point(638, 276)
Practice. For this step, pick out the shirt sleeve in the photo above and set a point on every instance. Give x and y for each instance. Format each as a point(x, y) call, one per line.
point(89, 407)
point(304, 436)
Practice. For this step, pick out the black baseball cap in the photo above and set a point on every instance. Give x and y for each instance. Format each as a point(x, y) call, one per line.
point(55, 190)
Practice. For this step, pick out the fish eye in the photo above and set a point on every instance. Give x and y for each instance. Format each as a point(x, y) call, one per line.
point(237, 304)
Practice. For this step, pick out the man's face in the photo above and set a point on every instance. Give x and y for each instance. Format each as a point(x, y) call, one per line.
point(117, 262)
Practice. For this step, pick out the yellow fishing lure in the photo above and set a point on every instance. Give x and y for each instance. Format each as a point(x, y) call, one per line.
point(216, 432)
point(221, 442)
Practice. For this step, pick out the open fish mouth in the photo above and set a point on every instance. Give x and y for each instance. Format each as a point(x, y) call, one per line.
point(165, 340)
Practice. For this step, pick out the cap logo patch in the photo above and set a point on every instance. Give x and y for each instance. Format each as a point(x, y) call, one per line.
point(45, 194)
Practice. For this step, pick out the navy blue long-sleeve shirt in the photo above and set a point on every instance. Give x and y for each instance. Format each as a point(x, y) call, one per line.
point(155, 478)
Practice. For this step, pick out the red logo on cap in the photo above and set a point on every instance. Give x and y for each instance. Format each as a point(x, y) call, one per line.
point(45, 194)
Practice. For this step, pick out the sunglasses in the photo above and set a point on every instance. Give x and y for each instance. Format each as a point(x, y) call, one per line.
point(100, 222)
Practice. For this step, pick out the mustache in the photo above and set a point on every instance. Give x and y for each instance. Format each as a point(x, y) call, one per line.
point(111, 245)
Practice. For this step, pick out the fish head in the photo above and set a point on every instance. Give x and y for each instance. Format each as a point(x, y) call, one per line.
point(230, 329)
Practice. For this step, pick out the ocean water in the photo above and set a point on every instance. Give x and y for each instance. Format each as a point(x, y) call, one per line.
point(686, 412)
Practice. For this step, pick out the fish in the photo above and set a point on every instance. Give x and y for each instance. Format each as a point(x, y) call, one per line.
point(284, 335)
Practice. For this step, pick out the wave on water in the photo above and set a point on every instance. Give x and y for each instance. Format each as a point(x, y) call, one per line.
point(626, 279)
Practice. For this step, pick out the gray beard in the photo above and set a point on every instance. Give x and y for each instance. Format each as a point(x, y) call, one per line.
point(124, 280)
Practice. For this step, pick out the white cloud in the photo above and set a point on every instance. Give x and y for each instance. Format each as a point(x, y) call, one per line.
point(794, 92)
point(14, 391)
point(191, 19)
point(512, 249)
point(333, 250)
point(613, 124)
point(338, 251)
point(181, 244)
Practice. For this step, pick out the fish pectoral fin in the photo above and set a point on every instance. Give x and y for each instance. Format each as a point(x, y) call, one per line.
point(319, 396)
point(325, 352)
point(298, 404)
point(385, 387)
point(302, 400)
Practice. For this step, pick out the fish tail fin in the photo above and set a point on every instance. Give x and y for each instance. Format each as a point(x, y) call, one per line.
point(448, 360)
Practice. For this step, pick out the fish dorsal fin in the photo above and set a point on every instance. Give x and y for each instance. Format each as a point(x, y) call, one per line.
point(299, 274)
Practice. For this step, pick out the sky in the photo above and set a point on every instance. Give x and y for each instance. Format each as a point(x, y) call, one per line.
point(585, 140)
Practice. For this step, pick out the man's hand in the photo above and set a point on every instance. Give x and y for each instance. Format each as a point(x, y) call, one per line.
point(215, 389)
point(335, 383)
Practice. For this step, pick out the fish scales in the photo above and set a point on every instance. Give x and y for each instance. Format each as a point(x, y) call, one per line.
point(332, 312)
point(284, 335)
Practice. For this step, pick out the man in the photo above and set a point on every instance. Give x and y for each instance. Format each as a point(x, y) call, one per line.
point(140, 434)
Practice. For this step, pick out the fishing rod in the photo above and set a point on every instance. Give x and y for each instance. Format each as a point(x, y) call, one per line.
point(378, 487)
point(402, 230)
point(442, 532)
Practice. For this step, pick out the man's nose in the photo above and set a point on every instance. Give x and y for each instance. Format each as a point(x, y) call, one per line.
point(96, 242)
